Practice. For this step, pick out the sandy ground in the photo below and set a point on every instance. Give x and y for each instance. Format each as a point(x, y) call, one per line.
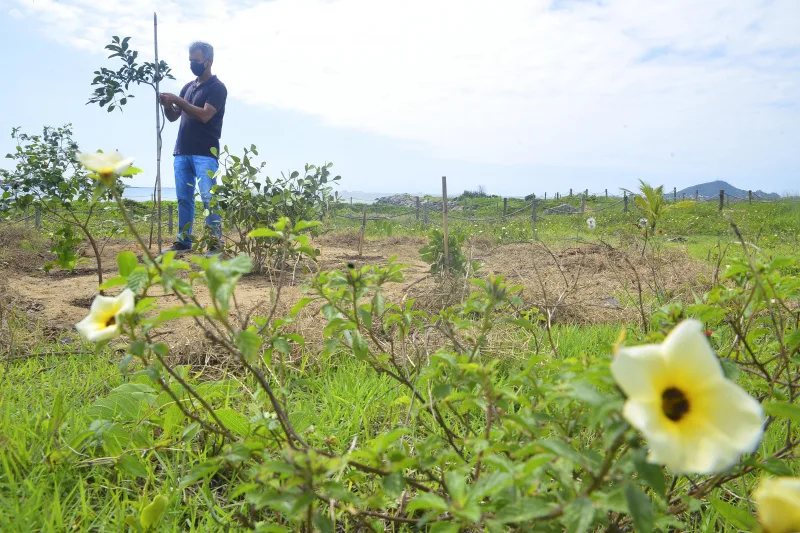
point(581, 283)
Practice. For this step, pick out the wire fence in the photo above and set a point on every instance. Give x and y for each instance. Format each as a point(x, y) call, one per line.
point(424, 211)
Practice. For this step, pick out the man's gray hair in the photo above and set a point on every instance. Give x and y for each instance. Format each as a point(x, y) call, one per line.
point(207, 49)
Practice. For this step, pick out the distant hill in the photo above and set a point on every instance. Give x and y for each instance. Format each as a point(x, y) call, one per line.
point(712, 188)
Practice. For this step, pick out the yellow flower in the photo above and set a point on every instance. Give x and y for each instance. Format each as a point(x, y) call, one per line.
point(103, 322)
point(107, 166)
point(778, 504)
point(694, 419)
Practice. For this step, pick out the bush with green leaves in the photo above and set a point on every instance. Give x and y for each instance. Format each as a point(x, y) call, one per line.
point(455, 264)
point(247, 200)
point(639, 441)
point(48, 176)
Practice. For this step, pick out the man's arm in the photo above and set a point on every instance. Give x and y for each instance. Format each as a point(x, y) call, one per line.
point(203, 114)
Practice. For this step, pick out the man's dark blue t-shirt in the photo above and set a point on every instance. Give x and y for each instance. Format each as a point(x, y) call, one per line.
point(194, 137)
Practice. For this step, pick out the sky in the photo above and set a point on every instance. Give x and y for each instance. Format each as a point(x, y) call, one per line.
point(518, 96)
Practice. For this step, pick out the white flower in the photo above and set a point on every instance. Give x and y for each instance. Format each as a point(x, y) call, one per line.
point(106, 165)
point(103, 322)
point(591, 223)
point(643, 222)
point(694, 419)
point(778, 504)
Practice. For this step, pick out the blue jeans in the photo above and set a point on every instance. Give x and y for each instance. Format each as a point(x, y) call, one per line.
point(192, 171)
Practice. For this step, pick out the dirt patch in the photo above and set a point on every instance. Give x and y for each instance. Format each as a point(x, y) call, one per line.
point(580, 283)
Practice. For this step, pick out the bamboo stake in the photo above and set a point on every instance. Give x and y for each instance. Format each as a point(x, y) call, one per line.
point(158, 128)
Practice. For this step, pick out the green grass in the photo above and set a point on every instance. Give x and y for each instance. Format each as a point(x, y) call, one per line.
point(46, 487)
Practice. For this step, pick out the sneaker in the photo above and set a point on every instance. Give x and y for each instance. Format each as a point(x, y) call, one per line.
point(214, 251)
point(178, 248)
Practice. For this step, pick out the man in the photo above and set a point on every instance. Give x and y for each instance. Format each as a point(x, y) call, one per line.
point(201, 107)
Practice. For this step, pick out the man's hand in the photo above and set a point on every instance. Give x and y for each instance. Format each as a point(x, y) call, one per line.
point(171, 109)
point(168, 99)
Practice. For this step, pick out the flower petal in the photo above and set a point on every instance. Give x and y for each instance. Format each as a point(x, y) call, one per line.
point(778, 503)
point(736, 415)
point(104, 305)
point(639, 370)
point(127, 303)
point(687, 351)
point(123, 165)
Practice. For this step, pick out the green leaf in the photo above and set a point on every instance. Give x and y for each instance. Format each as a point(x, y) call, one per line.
point(249, 343)
point(174, 313)
point(579, 515)
point(730, 369)
point(739, 518)
point(640, 507)
point(651, 474)
point(131, 464)
point(116, 281)
point(783, 410)
point(360, 348)
point(282, 345)
point(523, 510)
point(265, 232)
point(127, 263)
point(427, 501)
point(234, 421)
point(152, 513)
point(305, 224)
point(138, 279)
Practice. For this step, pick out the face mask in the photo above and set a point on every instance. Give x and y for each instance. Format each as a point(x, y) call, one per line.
point(197, 68)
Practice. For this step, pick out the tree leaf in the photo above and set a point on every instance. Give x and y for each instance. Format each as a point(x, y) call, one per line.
point(130, 463)
point(640, 507)
point(234, 421)
point(739, 518)
point(249, 343)
point(127, 263)
point(174, 313)
point(265, 232)
point(579, 515)
point(783, 410)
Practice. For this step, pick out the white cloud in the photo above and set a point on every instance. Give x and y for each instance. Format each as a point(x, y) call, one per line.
point(474, 81)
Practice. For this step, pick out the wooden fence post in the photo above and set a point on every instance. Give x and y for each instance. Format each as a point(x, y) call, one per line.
point(675, 194)
point(425, 214)
point(586, 192)
point(417, 207)
point(570, 192)
point(583, 205)
point(750, 196)
point(37, 219)
point(169, 215)
point(606, 193)
point(444, 223)
point(505, 207)
point(721, 199)
point(625, 200)
point(696, 196)
point(363, 230)
point(545, 195)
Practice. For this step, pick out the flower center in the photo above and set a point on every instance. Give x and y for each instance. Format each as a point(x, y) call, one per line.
point(111, 321)
point(674, 403)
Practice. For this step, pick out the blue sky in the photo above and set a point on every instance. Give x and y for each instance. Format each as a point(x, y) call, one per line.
point(532, 96)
